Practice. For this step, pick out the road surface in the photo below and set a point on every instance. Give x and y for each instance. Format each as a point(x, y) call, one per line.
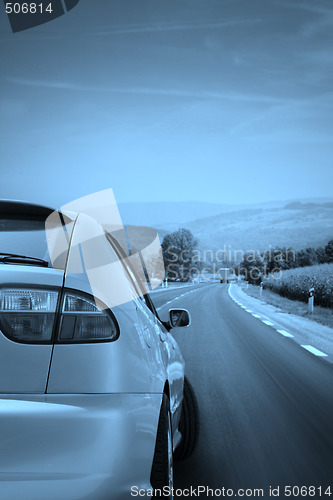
point(266, 404)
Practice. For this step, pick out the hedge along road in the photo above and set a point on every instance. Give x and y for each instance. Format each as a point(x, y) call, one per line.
point(266, 404)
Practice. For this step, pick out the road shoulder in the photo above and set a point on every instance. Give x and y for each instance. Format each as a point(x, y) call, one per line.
point(312, 336)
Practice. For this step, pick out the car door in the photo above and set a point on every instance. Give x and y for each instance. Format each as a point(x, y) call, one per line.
point(171, 355)
point(164, 354)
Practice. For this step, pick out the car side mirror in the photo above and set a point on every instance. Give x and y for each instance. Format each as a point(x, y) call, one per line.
point(179, 317)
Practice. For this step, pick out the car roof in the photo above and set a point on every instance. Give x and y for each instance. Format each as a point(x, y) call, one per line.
point(14, 208)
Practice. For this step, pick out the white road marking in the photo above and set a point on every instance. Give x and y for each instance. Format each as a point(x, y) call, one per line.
point(313, 350)
point(309, 348)
point(176, 298)
point(285, 333)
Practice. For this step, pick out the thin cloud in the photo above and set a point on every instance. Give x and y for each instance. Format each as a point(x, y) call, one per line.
point(142, 28)
point(157, 27)
point(302, 117)
point(208, 95)
point(312, 29)
point(304, 6)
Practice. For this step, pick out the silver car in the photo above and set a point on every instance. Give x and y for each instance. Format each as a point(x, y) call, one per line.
point(93, 399)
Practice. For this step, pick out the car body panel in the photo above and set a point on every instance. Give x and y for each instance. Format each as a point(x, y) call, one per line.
point(108, 367)
point(165, 352)
point(24, 367)
point(76, 446)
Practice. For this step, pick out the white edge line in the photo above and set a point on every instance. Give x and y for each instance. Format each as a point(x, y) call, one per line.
point(285, 333)
point(313, 350)
point(309, 348)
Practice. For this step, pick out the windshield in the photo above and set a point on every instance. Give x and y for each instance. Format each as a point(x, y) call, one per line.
point(24, 237)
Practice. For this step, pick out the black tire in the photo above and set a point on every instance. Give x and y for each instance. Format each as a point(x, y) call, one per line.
point(189, 424)
point(162, 468)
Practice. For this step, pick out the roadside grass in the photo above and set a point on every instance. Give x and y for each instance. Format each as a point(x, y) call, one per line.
point(295, 283)
point(322, 315)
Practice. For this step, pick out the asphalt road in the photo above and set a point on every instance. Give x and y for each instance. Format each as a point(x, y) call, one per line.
point(266, 404)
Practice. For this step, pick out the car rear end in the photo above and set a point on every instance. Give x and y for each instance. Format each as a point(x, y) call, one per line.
point(76, 422)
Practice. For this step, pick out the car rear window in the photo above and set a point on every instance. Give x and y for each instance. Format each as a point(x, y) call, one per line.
point(25, 237)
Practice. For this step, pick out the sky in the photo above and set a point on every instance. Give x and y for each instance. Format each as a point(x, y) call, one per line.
point(224, 101)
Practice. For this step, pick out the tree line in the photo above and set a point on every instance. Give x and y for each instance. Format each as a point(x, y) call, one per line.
point(256, 265)
point(182, 263)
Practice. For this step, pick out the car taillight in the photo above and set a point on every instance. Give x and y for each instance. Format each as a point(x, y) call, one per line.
point(82, 321)
point(28, 315)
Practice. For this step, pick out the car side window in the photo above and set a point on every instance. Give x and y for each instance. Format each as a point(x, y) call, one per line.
point(145, 297)
point(129, 271)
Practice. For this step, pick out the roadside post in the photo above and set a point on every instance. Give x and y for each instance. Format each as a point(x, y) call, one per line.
point(311, 300)
point(261, 287)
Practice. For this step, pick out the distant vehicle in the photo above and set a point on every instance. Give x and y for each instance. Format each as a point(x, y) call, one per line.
point(91, 396)
point(226, 275)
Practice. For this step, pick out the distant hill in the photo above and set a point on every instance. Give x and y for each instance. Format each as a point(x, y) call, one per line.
point(296, 223)
point(301, 226)
point(171, 214)
point(158, 213)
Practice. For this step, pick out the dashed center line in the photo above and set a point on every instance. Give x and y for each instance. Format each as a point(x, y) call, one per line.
point(269, 323)
point(313, 350)
point(176, 298)
point(256, 316)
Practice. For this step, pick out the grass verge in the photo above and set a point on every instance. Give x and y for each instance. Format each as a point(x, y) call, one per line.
point(322, 315)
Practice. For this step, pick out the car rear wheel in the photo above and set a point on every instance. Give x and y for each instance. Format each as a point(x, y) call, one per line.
point(189, 424)
point(162, 469)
